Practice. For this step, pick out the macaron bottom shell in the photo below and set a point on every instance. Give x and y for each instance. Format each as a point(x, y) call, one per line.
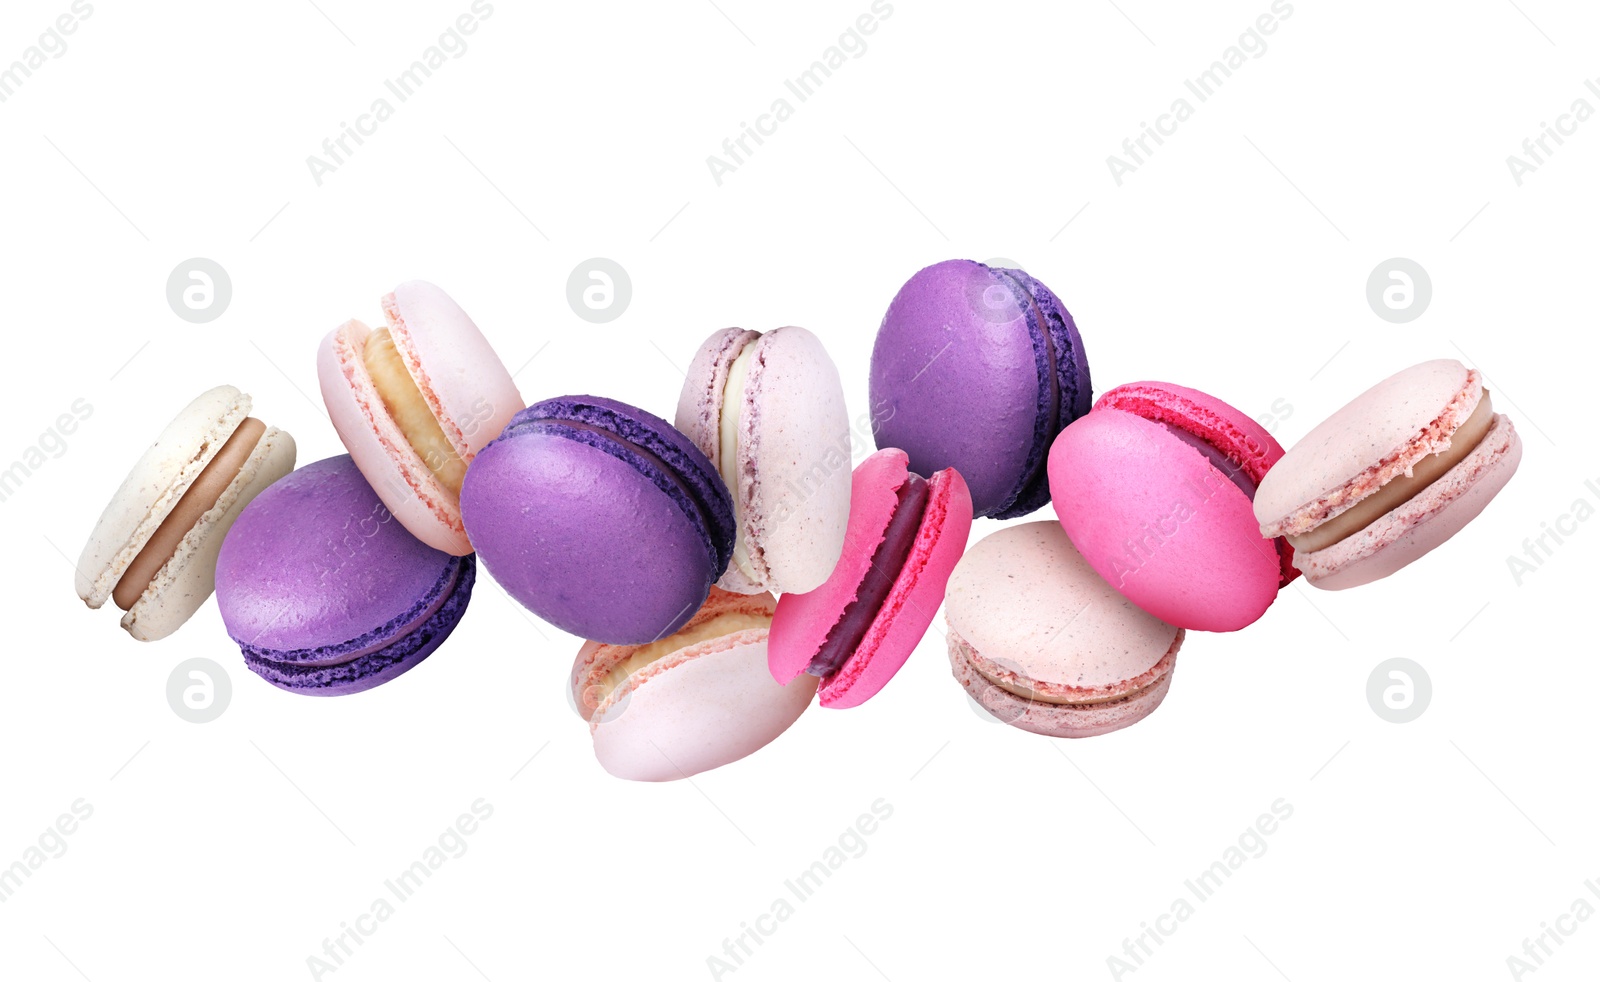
point(1059, 719)
point(1422, 523)
point(371, 668)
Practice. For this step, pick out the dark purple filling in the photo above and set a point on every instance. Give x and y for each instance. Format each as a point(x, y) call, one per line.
point(887, 560)
point(1218, 459)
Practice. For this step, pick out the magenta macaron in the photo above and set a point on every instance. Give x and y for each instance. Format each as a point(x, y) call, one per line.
point(858, 628)
point(1154, 487)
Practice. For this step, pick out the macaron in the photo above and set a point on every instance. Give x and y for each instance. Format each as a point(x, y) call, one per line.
point(600, 518)
point(154, 550)
point(978, 368)
point(768, 411)
point(1391, 476)
point(1041, 641)
point(856, 630)
point(1154, 488)
point(414, 401)
point(326, 593)
point(695, 700)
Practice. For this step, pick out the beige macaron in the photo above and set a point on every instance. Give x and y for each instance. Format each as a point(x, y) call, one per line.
point(154, 550)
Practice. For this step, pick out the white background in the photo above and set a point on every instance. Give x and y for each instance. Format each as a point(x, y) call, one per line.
point(1235, 261)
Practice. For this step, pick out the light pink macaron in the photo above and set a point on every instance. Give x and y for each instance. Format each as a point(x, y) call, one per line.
point(768, 410)
point(1042, 642)
point(1392, 475)
point(1154, 488)
point(697, 699)
point(414, 401)
point(857, 629)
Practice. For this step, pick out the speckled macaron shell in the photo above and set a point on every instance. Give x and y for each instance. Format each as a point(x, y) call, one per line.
point(1024, 607)
point(1156, 518)
point(702, 706)
point(326, 593)
point(793, 486)
point(150, 492)
point(602, 541)
point(1375, 438)
point(463, 381)
point(804, 620)
point(961, 376)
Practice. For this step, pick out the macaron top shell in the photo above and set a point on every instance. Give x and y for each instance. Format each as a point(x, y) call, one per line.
point(1163, 521)
point(1374, 438)
point(153, 487)
point(977, 369)
point(804, 622)
point(791, 475)
point(600, 518)
point(325, 563)
point(1033, 609)
point(1244, 443)
point(465, 383)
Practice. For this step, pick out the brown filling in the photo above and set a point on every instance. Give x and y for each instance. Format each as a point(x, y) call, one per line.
point(200, 498)
point(1403, 488)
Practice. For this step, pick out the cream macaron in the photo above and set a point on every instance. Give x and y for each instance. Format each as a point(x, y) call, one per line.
point(414, 401)
point(768, 410)
point(154, 550)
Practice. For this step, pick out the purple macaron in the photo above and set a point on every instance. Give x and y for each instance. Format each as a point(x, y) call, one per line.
point(326, 593)
point(599, 517)
point(978, 368)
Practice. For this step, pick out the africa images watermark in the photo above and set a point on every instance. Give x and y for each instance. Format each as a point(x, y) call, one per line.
point(1136, 151)
point(51, 844)
point(1537, 949)
point(452, 44)
point(1537, 151)
point(52, 43)
point(1538, 550)
point(51, 445)
point(851, 844)
point(1252, 844)
point(450, 844)
point(736, 150)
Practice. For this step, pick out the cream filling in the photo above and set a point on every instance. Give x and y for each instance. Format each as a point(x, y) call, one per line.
point(728, 446)
point(644, 655)
point(410, 410)
point(1397, 492)
point(200, 497)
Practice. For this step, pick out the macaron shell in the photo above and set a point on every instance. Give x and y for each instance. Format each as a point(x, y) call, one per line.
point(317, 562)
point(1056, 719)
point(794, 460)
point(592, 577)
point(458, 373)
point(1159, 522)
point(153, 486)
point(1244, 440)
point(384, 456)
point(1030, 605)
point(1375, 437)
point(1423, 523)
point(914, 599)
point(699, 417)
point(954, 381)
point(704, 707)
point(185, 581)
point(803, 620)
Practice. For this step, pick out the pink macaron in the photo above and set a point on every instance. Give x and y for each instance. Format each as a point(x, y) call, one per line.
point(1154, 487)
point(697, 699)
point(414, 401)
point(1392, 475)
point(857, 629)
point(1043, 643)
